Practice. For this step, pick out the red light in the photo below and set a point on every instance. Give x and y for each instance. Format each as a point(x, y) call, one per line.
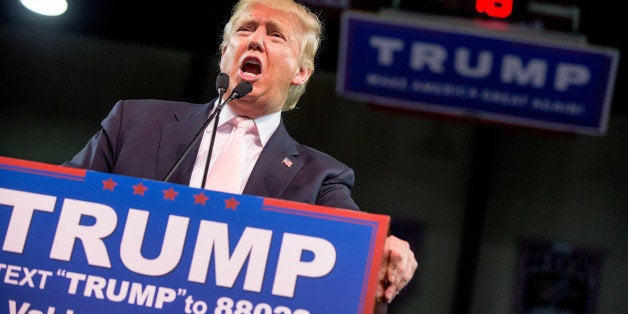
point(494, 8)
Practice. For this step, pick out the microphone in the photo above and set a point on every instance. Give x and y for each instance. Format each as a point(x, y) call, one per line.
point(222, 83)
point(240, 90)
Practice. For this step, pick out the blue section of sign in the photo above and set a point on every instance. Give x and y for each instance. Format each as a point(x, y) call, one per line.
point(103, 270)
point(472, 72)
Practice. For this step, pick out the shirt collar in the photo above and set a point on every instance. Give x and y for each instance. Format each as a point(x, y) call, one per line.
point(266, 125)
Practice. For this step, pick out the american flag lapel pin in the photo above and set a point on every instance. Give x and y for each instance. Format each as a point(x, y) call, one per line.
point(287, 162)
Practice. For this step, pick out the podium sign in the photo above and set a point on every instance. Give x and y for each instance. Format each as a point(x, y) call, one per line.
point(77, 241)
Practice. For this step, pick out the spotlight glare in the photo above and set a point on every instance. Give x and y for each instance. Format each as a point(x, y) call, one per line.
point(46, 7)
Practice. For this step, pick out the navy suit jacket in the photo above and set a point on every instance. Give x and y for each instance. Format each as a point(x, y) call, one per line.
point(144, 138)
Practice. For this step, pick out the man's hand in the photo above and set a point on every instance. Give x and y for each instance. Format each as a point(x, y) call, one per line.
point(398, 267)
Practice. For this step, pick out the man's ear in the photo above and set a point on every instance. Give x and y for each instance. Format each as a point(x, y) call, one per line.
point(302, 76)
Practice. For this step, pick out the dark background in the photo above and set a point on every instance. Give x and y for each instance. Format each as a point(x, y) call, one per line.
point(465, 184)
point(196, 25)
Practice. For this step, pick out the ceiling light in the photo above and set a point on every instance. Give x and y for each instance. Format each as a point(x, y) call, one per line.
point(46, 7)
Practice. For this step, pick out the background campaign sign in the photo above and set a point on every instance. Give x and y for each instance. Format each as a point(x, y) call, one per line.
point(460, 69)
point(76, 241)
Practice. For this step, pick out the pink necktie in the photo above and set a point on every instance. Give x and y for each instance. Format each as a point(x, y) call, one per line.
point(227, 173)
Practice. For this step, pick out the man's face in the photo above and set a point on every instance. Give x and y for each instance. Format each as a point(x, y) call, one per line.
point(264, 50)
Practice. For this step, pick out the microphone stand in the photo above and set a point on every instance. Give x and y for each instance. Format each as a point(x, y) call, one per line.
point(211, 142)
point(196, 137)
point(240, 90)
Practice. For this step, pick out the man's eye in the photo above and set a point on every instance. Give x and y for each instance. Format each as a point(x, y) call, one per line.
point(278, 35)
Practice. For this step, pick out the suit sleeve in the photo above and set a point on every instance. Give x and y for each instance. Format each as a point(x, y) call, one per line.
point(315, 178)
point(99, 152)
point(335, 190)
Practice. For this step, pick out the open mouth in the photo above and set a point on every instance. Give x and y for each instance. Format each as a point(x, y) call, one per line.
point(251, 67)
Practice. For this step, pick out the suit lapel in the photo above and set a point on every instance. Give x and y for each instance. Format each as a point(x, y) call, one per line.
point(175, 136)
point(276, 166)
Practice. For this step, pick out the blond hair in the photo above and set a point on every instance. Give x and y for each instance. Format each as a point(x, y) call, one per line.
point(313, 35)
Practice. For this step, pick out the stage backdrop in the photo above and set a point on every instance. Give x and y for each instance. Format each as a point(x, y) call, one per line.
point(76, 241)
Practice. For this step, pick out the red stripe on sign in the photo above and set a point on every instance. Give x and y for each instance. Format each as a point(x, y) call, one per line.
point(40, 167)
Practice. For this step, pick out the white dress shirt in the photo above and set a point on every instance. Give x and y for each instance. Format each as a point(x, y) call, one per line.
point(266, 126)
